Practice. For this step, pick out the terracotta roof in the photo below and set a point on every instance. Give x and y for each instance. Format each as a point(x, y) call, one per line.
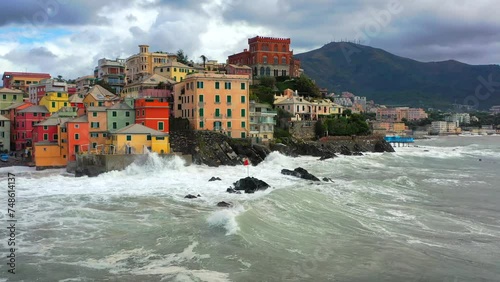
point(5, 90)
point(35, 109)
point(139, 129)
point(15, 105)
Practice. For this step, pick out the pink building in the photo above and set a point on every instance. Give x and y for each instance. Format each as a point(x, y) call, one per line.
point(25, 121)
point(400, 113)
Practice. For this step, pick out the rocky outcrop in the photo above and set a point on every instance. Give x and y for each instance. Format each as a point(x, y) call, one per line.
point(191, 196)
point(224, 204)
point(300, 173)
point(250, 185)
point(214, 149)
point(214, 179)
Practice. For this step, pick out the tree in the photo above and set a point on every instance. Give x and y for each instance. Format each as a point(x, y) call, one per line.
point(181, 57)
point(307, 87)
point(204, 59)
point(320, 128)
point(268, 81)
point(60, 78)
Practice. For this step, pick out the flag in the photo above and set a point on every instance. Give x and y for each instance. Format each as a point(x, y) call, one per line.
point(245, 162)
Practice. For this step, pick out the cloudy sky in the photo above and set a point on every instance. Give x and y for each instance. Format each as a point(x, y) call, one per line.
point(67, 37)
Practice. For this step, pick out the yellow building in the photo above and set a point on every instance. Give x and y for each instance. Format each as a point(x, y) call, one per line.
point(139, 139)
point(214, 102)
point(174, 70)
point(143, 63)
point(54, 101)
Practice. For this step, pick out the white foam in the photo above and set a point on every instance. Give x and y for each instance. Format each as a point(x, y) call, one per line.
point(226, 218)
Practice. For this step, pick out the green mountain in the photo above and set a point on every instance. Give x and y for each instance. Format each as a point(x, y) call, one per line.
point(393, 80)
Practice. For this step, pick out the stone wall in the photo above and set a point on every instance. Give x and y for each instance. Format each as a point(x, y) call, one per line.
point(302, 129)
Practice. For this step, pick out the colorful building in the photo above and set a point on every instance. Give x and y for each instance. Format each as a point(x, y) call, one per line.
point(142, 64)
point(214, 102)
point(304, 109)
point(76, 101)
point(4, 133)
point(9, 97)
point(84, 83)
point(49, 150)
point(147, 85)
point(98, 96)
point(24, 124)
point(262, 122)
point(174, 70)
point(400, 113)
point(38, 90)
point(239, 70)
point(139, 139)
point(268, 56)
point(54, 101)
point(98, 126)
point(22, 80)
point(119, 115)
point(112, 72)
point(152, 113)
point(77, 131)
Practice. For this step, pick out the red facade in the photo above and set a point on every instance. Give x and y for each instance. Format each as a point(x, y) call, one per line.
point(78, 136)
point(152, 113)
point(45, 133)
point(25, 123)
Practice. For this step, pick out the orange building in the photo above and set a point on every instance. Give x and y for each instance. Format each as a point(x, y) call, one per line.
point(22, 80)
point(50, 149)
point(268, 56)
point(98, 127)
point(77, 131)
point(214, 102)
point(153, 113)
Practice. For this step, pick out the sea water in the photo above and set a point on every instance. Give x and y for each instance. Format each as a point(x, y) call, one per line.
point(429, 212)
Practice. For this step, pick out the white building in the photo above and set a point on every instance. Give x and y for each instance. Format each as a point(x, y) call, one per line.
point(303, 109)
point(262, 122)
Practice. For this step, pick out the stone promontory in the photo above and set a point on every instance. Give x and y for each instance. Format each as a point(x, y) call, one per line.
point(214, 149)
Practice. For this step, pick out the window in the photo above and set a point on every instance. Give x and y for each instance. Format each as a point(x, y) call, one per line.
point(243, 124)
point(100, 104)
point(217, 112)
point(94, 114)
point(217, 99)
point(35, 114)
point(200, 98)
point(243, 86)
point(129, 137)
point(199, 84)
point(59, 95)
point(114, 113)
point(217, 85)
point(228, 99)
point(243, 135)
point(127, 123)
point(143, 113)
point(94, 125)
point(275, 60)
point(65, 104)
point(114, 125)
point(77, 125)
point(94, 145)
point(4, 97)
point(227, 85)
point(160, 125)
point(45, 136)
point(243, 99)
point(229, 133)
point(127, 113)
point(139, 112)
point(14, 97)
point(228, 124)
point(53, 104)
point(229, 112)
point(148, 138)
point(264, 59)
point(242, 112)
point(94, 135)
point(45, 127)
point(283, 60)
point(201, 124)
point(160, 138)
point(201, 112)
point(77, 136)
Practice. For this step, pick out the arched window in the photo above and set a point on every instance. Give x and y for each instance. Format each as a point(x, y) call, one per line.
point(275, 47)
point(264, 59)
point(283, 60)
point(268, 71)
point(265, 47)
point(283, 49)
point(262, 71)
point(275, 60)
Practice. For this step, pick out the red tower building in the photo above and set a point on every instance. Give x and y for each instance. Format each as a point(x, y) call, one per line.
point(268, 56)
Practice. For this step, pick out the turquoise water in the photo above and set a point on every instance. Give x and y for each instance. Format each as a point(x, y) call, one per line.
point(425, 213)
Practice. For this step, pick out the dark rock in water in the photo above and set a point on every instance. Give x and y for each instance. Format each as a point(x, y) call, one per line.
point(90, 171)
point(327, 179)
point(357, 154)
point(300, 173)
point(250, 184)
point(232, 191)
point(344, 150)
point(198, 195)
point(189, 196)
point(214, 179)
point(327, 156)
point(382, 146)
point(224, 204)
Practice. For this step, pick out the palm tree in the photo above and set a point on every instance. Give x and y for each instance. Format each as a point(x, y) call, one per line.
point(204, 59)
